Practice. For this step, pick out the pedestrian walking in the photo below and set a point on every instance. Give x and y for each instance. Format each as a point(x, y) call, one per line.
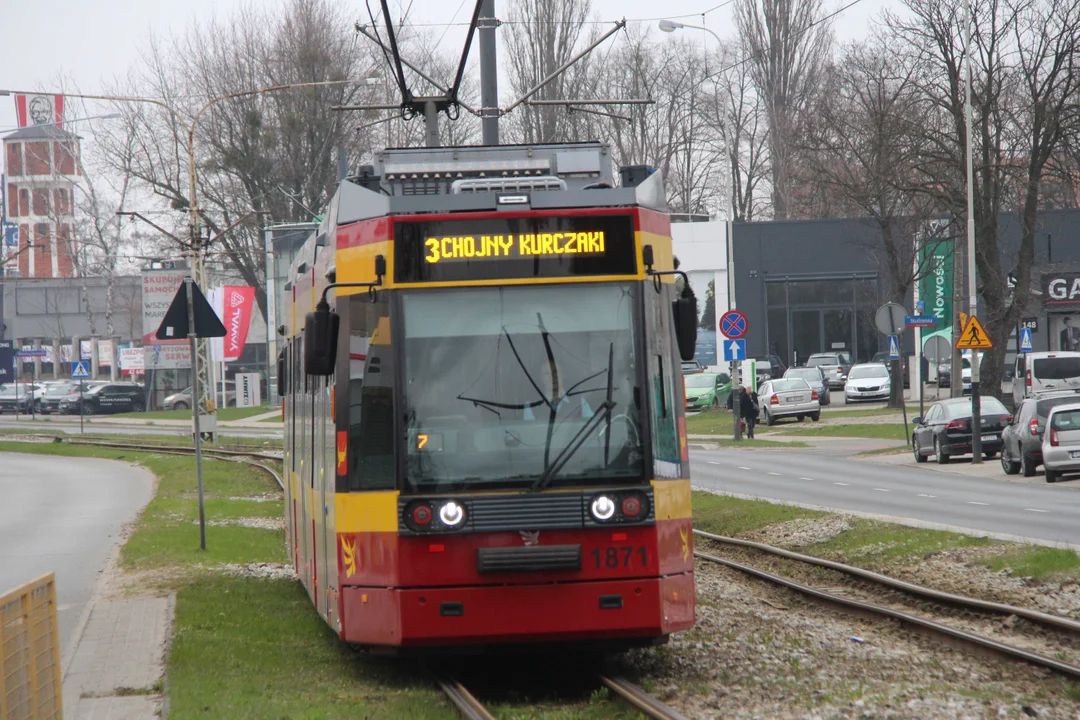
point(748, 407)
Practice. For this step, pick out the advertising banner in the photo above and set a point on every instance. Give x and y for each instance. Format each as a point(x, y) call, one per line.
point(38, 109)
point(936, 283)
point(247, 390)
point(7, 361)
point(131, 361)
point(233, 304)
point(158, 289)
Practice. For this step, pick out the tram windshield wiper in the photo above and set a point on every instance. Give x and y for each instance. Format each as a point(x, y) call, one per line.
point(581, 436)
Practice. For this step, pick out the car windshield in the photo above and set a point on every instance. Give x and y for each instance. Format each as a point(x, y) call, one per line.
point(808, 374)
point(789, 384)
point(868, 371)
point(56, 390)
point(1066, 420)
point(816, 360)
point(990, 406)
point(1056, 368)
point(503, 396)
point(700, 381)
point(1042, 407)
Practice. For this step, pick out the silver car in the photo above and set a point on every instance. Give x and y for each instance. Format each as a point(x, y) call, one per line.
point(1061, 442)
point(868, 381)
point(788, 397)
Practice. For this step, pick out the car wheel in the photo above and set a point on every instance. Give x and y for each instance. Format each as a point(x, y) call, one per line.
point(180, 406)
point(989, 454)
point(919, 457)
point(137, 407)
point(1027, 465)
point(1051, 476)
point(801, 417)
point(815, 416)
point(1011, 467)
point(942, 458)
point(769, 419)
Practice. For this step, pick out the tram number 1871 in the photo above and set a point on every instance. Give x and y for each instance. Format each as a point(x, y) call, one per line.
point(615, 557)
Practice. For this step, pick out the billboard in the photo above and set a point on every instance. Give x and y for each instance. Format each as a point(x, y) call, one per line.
point(39, 109)
point(936, 283)
point(158, 289)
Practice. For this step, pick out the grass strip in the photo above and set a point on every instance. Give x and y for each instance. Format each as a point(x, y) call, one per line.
point(755, 442)
point(224, 414)
point(880, 431)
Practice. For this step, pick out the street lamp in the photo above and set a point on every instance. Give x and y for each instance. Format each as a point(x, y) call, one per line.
point(670, 26)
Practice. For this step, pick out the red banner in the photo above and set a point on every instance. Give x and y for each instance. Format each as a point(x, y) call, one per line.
point(236, 306)
point(39, 109)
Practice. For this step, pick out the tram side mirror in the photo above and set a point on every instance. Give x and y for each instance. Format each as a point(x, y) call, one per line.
point(320, 340)
point(686, 323)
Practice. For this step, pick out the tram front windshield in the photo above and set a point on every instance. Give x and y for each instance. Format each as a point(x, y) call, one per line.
point(521, 387)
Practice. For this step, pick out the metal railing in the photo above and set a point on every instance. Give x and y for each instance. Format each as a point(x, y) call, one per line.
point(30, 652)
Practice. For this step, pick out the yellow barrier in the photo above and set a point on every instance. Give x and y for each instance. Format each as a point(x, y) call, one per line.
point(30, 652)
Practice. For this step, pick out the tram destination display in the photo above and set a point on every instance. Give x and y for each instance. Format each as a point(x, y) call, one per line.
point(516, 247)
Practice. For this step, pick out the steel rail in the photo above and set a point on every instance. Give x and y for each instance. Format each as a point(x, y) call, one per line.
point(1035, 616)
point(641, 700)
point(469, 707)
point(968, 638)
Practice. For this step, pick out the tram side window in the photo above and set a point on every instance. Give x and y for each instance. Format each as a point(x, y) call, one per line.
point(371, 393)
point(661, 382)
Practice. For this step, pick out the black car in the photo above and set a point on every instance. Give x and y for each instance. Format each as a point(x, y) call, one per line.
point(1021, 442)
point(945, 430)
point(107, 398)
point(55, 395)
point(770, 366)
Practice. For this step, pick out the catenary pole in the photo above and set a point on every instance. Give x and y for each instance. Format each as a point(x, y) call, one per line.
point(195, 410)
point(489, 76)
point(973, 298)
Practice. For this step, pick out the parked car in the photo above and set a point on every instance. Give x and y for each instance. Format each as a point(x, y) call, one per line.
point(867, 381)
point(944, 376)
point(105, 398)
point(834, 365)
point(1021, 442)
point(770, 366)
point(814, 377)
point(689, 367)
point(788, 397)
point(182, 400)
point(945, 430)
point(1061, 442)
point(1038, 372)
point(16, 397)
point(706, 389)
point(883, 358)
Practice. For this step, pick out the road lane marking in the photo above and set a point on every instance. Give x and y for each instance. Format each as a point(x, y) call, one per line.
point(776, 474)
point(741, 467)
point(1036, 510)
point(882, 490)
point(972, 502)
point(713, 462)
point(841, 484)
point(927, 496)
point(806, 478)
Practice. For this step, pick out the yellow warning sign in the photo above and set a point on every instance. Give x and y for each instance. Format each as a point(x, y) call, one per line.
point(974, 337)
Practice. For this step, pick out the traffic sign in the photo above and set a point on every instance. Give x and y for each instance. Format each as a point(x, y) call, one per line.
point(920, 320)
point(734, 350)
point(974, 337)
point(31, 353)
point(889, 318)
point(937, 349)
point(894, 348)
point(1025, 340)
point(79, 371)
point(733, 324)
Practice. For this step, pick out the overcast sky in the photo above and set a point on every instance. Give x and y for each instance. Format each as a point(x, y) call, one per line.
point(90, 41)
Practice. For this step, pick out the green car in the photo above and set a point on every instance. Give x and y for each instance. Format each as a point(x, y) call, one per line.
point(705, 389)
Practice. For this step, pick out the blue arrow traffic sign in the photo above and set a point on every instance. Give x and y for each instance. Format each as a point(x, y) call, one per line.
point(733, 324)
point(1025, 339)
point(734, 350)
point(894, 348)
point(79, 371)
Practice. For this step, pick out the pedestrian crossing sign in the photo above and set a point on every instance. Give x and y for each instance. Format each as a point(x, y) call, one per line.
point(1025, 340)
point(974, 337)
point(80, 371)
point(894, 348)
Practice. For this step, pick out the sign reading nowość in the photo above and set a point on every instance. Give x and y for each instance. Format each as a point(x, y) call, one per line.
point(523, 245)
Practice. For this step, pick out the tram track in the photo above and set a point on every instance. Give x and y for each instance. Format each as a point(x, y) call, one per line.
point(951, 634)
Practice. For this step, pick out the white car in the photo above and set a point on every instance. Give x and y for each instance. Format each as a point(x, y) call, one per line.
point(786, 397)
point(867, 381)
point(1061, 442)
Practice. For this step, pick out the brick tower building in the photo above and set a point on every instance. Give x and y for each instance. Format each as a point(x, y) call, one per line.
point(39, 182)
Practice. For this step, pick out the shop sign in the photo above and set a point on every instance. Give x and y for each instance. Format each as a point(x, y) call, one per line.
point(1061, 288)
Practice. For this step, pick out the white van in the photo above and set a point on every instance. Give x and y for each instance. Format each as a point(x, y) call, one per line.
point(1040, 371)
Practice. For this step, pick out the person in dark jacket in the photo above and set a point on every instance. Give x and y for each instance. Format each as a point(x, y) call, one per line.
point(748, 407)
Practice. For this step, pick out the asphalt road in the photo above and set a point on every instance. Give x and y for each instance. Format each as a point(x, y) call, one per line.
point(827, 478)
point(64, 515)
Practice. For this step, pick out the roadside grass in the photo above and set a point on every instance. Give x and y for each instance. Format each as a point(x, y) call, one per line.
point(224, 414)
point(873, 544)
point(898, 450)
point(1037, 562)
point(881, 431)
point(755, 442)
point(725, 515)
point(828, 413)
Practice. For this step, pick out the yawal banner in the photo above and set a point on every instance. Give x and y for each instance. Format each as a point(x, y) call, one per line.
point(234, 304)
point(39, 109)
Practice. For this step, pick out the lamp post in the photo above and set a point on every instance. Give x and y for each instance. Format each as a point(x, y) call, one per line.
point(973, 299)
point(670, 26)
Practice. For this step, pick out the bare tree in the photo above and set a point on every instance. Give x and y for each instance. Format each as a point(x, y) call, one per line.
point(788, 44)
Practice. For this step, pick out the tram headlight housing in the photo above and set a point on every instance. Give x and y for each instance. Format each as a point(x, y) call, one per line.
point(602, 508)
point(452, 514)
point(627, 506)
point(435, 515)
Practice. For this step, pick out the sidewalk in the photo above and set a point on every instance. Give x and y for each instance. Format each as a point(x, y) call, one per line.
point(118, 664)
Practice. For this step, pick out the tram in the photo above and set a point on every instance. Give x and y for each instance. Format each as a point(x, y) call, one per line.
point(485, 439)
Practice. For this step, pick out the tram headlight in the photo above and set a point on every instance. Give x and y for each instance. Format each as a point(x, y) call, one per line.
point(603, 508)
point(452, 514)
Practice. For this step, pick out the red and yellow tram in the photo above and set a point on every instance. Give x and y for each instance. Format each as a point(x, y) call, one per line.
point(485, 434)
